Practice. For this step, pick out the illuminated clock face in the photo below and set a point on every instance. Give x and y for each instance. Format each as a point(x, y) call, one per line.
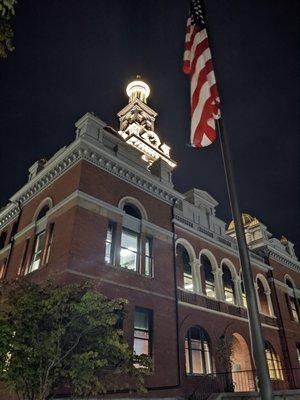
point(152, 138)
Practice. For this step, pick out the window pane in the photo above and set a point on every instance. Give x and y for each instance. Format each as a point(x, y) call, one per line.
point(142, 332)
point(187, 358)
point(141, 346)
point(197, 362)
point(37, 254)
point(148, 257)
point(129, 240)
point(141, 319)
point(128, 259)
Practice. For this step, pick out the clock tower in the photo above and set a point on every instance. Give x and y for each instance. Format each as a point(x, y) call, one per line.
point(137, 125)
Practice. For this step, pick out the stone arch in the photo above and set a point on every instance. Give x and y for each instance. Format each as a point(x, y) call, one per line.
point(190, 249)
point(288, 277)
point(215, 271)
point(132, 200)
point(235, 279)
point(47, 202)
point(267, 292)
point(191, 264)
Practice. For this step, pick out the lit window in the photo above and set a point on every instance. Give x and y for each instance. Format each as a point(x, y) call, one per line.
point(291, 302)
point(210, 289)
point(273, 362)
point(37, 252)
point(49, 243)
point(142, 331)
point(129, 256)
point(294, 311)
point(197, 353)
point(109, 244)
point(244, 300)
point(298, 352)
point(187, 270)
point(228, 285)
point(3, 268)
point(148, 257)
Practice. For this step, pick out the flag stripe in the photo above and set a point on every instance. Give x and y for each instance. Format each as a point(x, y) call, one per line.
point(197, 63)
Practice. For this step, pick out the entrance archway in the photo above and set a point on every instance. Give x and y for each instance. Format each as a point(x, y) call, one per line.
point(241, 369)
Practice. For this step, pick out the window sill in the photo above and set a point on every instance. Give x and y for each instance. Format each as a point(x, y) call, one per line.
point(130, 271)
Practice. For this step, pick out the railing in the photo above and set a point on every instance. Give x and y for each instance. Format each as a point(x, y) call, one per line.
point(243, 381)
point(213, 304)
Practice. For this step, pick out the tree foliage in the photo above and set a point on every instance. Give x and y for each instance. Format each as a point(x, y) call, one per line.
point(64, 338)
point(7, 10)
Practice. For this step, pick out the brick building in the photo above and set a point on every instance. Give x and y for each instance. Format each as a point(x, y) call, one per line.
point(105, 208)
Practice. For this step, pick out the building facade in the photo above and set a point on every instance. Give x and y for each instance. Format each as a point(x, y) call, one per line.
point(105, 208)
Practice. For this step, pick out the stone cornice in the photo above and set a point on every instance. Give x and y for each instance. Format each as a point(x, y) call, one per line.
point(284, 260)
point(81, 149)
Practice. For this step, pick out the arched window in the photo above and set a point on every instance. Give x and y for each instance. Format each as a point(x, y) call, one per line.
point(136, 249)
point(273, 362)
point(210, 287)
point(197, 352)
point(43, 238)
point(42, 212)
point(132, 210)
point(263, 298)
point(244, 300)
point(291, 301)
point(228, 285)
point(185, 266)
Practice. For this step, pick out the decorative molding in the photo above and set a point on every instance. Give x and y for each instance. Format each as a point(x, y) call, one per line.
point(284, 259)
point(81, 149)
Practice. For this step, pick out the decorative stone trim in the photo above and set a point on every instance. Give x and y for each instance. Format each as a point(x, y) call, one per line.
point(83, 150)
point(282, 259)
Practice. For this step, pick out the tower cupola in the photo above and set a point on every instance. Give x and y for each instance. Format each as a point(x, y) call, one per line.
point(138, 89)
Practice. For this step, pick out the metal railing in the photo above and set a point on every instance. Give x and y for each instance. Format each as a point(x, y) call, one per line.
point(243, 381)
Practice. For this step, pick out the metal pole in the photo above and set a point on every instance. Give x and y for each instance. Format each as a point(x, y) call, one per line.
point(257, 341)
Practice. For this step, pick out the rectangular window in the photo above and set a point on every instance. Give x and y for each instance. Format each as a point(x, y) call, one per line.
point(3, 268)
point(109, 243)
point(294, 311)
point(148, 257)
point(129, 255)
point(142, 331)
point(298, 352)
point(49, 243)
point(37, 251)
point(23, 261)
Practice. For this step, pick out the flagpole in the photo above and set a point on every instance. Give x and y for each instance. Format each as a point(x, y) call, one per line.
point(257, 341)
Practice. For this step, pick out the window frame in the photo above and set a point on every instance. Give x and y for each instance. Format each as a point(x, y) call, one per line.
point(273, 360)
point(148, 258)
point(137, 252)
point(148, 331)
point(37, 239)
point(111, 227)
point(204, 351)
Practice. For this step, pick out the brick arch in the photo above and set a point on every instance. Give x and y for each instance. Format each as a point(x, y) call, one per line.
point(188, 246)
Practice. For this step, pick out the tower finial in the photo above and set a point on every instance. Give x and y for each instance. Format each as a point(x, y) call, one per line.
point(138, 89)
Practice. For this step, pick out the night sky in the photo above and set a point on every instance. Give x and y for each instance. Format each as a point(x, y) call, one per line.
point(76, 56)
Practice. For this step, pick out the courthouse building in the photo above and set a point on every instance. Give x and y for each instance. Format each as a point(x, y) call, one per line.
point(105, 207)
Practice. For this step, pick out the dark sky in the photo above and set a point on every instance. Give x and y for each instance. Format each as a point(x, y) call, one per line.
point(76, 56)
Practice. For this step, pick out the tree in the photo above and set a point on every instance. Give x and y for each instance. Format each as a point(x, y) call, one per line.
point(7, 10)
point(64, 338)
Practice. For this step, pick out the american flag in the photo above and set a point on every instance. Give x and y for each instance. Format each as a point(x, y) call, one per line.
point(197, 63)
